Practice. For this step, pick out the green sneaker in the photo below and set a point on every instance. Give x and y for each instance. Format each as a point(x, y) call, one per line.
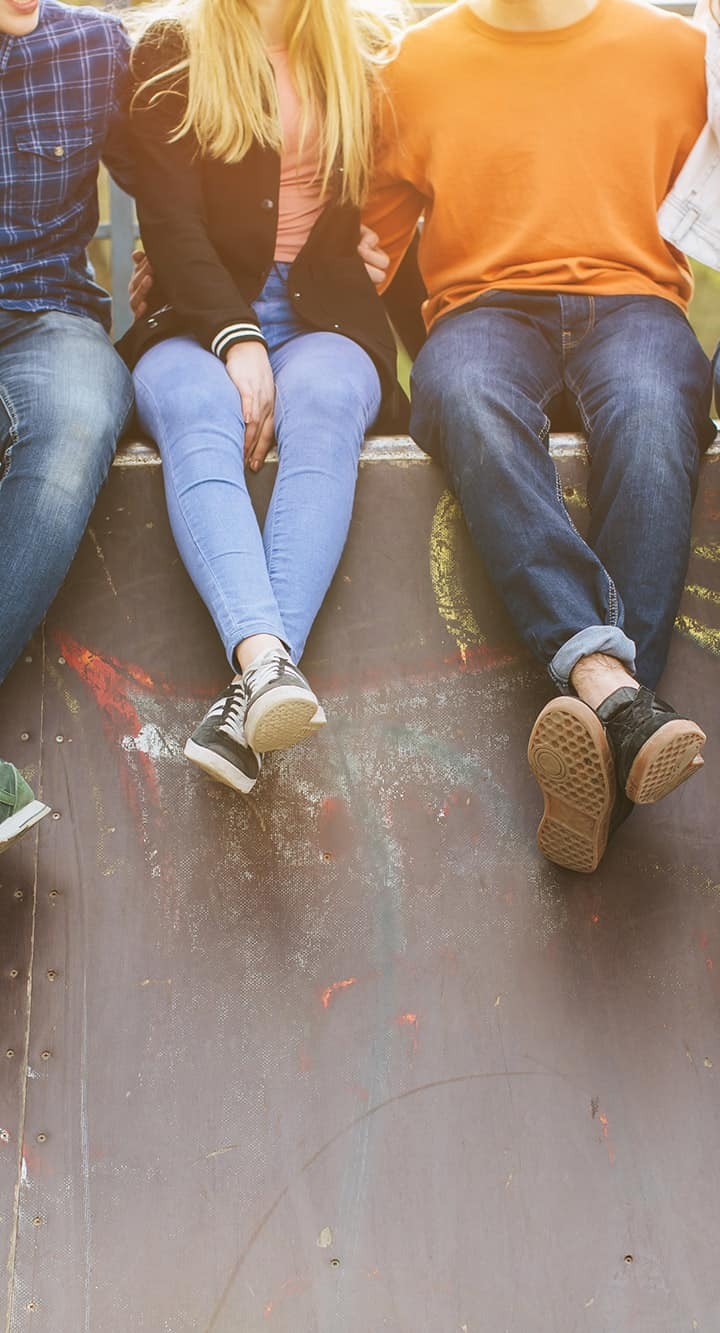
point(18, 808)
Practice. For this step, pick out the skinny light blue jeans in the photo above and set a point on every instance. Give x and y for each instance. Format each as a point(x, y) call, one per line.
point(64, 398)
point(641, 382)
point(327, 396)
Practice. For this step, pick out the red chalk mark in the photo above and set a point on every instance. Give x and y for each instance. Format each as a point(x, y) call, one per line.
point(110, 683)
point(595, 918)
point(293, 1287)
point(410, 1020)
point(480, 658)
point(709, 964)
point(332, 990)
point(606, 1136)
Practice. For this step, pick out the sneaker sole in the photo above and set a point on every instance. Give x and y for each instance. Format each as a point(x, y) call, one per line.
point(281, 718)
point(665, 761)
point(19, 823)
point(571, 762)
point(217, 767)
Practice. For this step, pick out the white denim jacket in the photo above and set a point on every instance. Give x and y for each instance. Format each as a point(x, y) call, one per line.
point(689, 217)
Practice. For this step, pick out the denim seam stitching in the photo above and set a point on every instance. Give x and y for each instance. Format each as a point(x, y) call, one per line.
point(7, 457)
point(613, 599)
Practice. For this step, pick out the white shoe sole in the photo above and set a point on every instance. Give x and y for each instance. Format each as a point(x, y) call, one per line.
point(21, 821)
point(282, 717)
point(217, 767)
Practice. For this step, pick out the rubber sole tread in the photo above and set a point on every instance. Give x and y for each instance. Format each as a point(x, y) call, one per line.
point(664, 761)
point(570, 759)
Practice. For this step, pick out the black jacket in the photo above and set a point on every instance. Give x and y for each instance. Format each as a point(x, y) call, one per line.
point(209, 231)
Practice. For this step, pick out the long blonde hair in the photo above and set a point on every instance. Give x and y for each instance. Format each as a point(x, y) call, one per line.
point(335, 50)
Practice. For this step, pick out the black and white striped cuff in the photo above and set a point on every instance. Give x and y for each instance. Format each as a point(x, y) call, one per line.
point(235, 333)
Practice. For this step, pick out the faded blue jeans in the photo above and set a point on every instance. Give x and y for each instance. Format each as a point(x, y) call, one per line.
point(327, 395)
point(641, 382)
point(64, 398)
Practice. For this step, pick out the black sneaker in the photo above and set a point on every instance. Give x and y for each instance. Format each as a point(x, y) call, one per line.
point(281, 708)
point(18, 808)
point(653, 748)
point(218, 746)
point(572, 763)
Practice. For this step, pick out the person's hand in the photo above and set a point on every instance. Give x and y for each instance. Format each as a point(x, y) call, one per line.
point(376, 261)
point(248, 366)
point(139, 284)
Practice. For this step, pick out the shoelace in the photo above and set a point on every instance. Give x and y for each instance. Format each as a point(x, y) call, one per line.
point(229, 708)
point(274, 664)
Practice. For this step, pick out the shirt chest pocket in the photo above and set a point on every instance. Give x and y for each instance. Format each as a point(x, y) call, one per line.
point(52, 165)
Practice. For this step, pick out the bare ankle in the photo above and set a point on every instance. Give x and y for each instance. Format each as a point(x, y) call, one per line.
point(252, 647)
point(595, 677)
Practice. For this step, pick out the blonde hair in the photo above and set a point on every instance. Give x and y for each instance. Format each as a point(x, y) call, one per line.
point(335, 51)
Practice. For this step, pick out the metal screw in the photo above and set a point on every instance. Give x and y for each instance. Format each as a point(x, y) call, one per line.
point(10, 1053)
point(37, 1221)
point(629, 1259)
point(14, 972)
point(32, 1305)
point(28, 658)
point(55, 814)
point(52, 974)
point(45, 1055)
point(334, 1263)
point(4, 1136)
point(54, 893)
point(61, 661)
point(59, 739)
point(18, 894)
point(42, 1138)
point(24, 735)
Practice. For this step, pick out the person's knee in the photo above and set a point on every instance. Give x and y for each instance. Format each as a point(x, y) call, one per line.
point(337, 403)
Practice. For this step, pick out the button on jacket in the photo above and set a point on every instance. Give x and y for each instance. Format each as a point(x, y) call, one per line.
point(209, 229)
point(689, 217)
point(64, 92)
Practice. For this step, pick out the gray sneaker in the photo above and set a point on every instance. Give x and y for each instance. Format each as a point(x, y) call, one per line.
point(281, 708)
point(218, 745)
point(18, 808)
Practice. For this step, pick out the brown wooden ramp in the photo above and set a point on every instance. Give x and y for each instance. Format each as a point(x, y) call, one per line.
point(347, 1055)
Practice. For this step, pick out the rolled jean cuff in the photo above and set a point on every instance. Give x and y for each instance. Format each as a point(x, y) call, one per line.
point(595, 639)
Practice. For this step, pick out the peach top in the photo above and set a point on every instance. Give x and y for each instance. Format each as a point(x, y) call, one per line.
point(301, 199)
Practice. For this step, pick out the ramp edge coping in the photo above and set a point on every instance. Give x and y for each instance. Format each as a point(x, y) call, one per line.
point(377, 449)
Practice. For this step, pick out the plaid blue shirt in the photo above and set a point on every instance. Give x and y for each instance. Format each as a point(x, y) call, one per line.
point(64, 93)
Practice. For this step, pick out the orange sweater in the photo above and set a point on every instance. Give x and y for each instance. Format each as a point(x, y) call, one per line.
point(540, 158)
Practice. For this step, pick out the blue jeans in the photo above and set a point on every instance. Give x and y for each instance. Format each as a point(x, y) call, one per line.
point(64, 398)
point(327, 395)
point(641, 382)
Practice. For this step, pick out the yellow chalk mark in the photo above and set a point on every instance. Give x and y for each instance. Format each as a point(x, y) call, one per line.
point(709, 552)
point(703, 634)
point(574, 497)
point(448, 586)
point(707, 594)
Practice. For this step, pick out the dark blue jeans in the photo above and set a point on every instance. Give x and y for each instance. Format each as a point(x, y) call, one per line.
point(64, 398)
point(641, 382)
